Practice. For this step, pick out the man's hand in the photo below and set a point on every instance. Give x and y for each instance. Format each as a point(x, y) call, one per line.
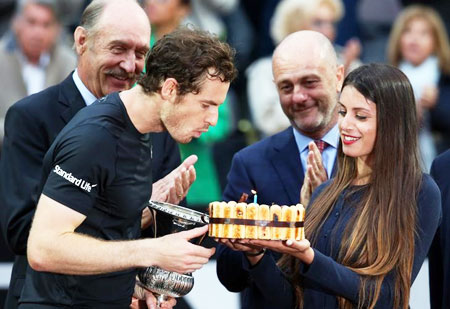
point(143, 299)
point(351, 52)
point(429, 97)
point(174, 187)
point(315, 174)
point(176, 253)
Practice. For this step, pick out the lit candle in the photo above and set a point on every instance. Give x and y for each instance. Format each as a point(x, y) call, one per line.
point(255, 196)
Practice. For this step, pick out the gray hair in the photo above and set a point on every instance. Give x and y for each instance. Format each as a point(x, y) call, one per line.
point(51, 4)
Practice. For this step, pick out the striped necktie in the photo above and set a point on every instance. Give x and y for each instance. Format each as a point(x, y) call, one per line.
point(321, 145)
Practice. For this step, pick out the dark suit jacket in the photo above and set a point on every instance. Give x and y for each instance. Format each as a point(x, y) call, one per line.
point(31, 126)
point(273, 168)
point(439, 255)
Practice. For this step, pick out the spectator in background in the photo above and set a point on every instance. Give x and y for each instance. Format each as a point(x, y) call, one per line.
point(419, 46)
point(441, 6)
point(291, 16)
point(165, 16)
point(31, 58)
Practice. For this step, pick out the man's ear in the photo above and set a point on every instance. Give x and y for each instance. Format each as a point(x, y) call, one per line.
point(80, 40)
point(169, 89)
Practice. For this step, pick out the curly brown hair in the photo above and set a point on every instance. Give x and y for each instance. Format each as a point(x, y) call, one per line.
point(189, 56)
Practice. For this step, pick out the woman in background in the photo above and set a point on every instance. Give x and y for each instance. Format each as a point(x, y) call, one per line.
point(419, 46)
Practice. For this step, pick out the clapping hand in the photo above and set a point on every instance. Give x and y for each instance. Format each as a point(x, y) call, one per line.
point(315, 173)
point(175, 186)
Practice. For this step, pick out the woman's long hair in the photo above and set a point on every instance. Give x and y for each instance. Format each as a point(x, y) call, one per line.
point(379, 238)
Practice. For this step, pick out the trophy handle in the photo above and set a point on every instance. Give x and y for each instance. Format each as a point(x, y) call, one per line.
point(205, 218)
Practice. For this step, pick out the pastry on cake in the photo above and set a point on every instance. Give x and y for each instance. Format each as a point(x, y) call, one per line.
point(254, 221)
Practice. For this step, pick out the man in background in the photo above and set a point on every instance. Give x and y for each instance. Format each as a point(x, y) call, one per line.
point(31, 56)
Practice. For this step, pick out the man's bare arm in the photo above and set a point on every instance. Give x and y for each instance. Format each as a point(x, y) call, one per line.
point(54, 246)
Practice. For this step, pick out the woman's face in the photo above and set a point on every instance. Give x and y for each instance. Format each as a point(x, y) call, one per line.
point(417, 41)
point(324, 21)
point(357, 124)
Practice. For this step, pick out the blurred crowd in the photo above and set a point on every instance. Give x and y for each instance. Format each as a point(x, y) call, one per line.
point(36, 52)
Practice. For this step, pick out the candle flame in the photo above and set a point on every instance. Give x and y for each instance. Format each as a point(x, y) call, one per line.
point(253, 191)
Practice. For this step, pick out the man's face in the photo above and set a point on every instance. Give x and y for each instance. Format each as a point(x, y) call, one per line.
point(113, 57)
point(36, 30)
point(192, 114)
point(308, 89)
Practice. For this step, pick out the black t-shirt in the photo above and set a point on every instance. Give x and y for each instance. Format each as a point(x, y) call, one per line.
point(100, 166)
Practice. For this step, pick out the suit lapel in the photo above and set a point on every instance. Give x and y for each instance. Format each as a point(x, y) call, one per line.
point(285, 159)
point(70, 98)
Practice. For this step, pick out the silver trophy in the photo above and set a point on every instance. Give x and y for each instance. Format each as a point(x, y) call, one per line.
point(168, 219)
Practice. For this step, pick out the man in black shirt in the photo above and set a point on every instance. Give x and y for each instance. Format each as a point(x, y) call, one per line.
point(111, 56)
point(87, 219)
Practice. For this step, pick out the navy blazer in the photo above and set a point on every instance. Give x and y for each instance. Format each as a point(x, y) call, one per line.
point(439, 255)
point(31, 125)
point(273, 168)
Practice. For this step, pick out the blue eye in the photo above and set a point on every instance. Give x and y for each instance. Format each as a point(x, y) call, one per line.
point(342, 113)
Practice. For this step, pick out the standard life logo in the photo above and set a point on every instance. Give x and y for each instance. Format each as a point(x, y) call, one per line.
point(83, 184)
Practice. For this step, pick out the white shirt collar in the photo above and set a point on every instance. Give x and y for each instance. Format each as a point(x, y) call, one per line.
point(88, 97)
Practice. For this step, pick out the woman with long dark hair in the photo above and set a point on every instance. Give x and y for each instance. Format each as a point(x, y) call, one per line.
point(369, 228)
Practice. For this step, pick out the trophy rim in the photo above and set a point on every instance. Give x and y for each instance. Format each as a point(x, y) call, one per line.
point(180, 212)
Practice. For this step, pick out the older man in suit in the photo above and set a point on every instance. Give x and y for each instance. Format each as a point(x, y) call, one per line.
point(439, 255)
point(111, 56)
point(31, 57)
point(285, 165)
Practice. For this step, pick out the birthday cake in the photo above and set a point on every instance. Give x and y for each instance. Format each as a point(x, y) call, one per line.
point(254, 221)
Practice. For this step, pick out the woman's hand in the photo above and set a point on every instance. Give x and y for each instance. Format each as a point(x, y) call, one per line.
point(300, 249)
point(250, 251)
